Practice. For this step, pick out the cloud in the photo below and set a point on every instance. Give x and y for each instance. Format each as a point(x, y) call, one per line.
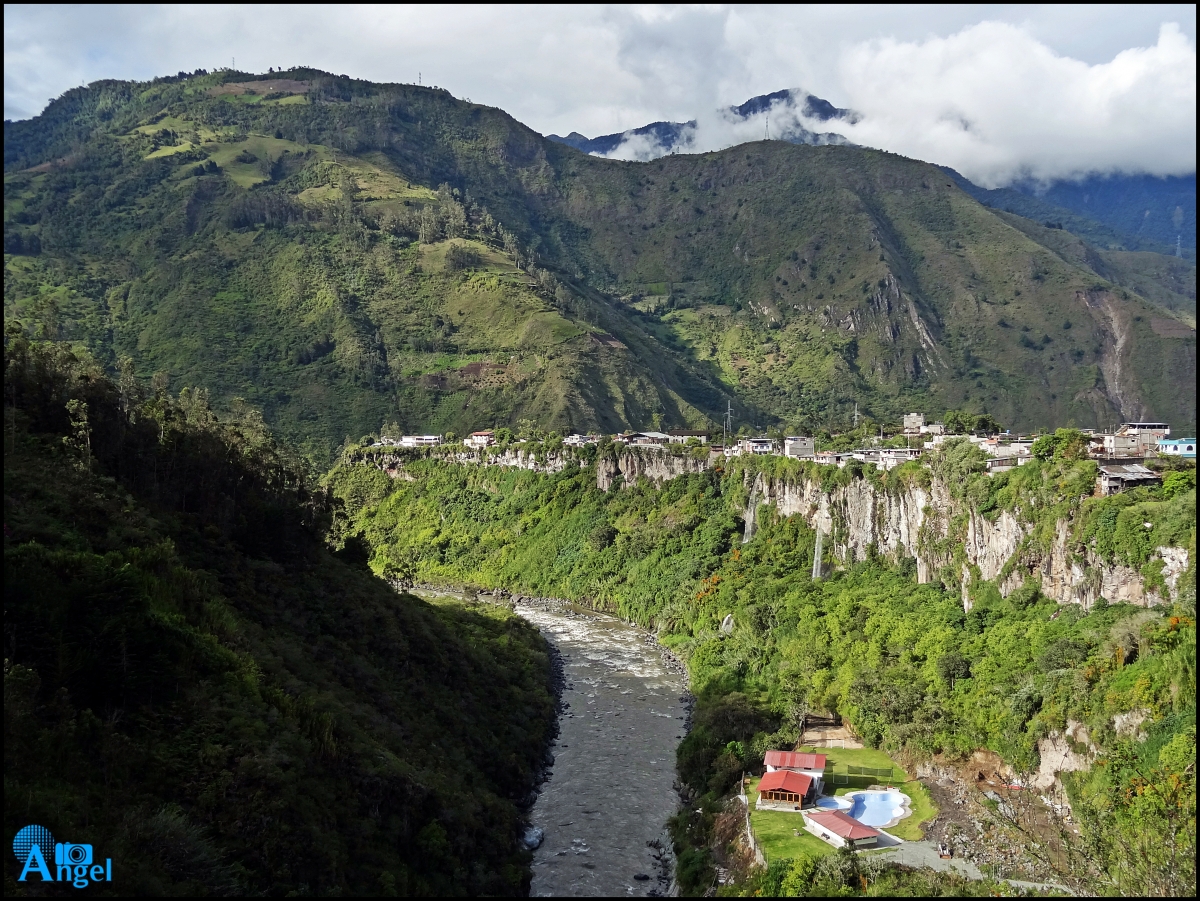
point(1044, 90)
point(997, 104)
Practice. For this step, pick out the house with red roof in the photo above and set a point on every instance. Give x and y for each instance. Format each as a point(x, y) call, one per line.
point(783, 788)
point(839, 829)
point(811, 765)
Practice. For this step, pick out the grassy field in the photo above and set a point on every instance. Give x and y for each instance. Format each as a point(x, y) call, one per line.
point(774, 828)
point(776, 831)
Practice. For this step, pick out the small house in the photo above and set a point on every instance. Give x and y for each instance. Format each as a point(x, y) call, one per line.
point(811, 765)
point(1178, 447)
point(914, 423)
point(647, 439)
point(681, 436)
point(1116, 477)
point(839, 829)
point(757, 446)
point(480, 439)
point(785, 787)
point(1120, 445)
point(799, 446)
point(1148, 434)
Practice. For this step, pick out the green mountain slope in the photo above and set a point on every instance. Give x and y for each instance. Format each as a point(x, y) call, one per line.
point(287, 240)
point(196, 686)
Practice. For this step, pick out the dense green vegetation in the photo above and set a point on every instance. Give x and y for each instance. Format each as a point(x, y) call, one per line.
point(197, 686)
point(903, 662)
point(341, 254)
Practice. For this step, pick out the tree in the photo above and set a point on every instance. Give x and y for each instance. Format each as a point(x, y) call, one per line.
point(953, 666)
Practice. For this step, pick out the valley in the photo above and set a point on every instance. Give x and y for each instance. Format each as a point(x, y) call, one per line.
point(253, 648)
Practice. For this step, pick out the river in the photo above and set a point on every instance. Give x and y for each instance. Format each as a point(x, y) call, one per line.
point(610, 792)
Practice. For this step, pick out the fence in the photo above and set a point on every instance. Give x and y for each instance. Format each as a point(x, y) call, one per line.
point(759, 857)
point(879, 772)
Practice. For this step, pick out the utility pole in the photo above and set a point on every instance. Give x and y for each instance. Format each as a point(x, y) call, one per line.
point(727, 423)
point(856, 415)
point(768, 126)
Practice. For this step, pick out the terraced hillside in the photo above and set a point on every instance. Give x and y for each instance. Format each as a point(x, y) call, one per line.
point(341, 254)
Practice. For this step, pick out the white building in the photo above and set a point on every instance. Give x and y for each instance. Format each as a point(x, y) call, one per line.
point(581, 440)
point(420, 440)
point(480, 439)
point(681, 436)
point(756, 446)
point(914, 423)
point(647, 439)
point(837, 828)
point(1178, 447)
point(811, 765)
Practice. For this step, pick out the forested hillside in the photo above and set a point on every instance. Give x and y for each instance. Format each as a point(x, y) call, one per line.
point(198, 687)
point(341, 254)
point(905, 664)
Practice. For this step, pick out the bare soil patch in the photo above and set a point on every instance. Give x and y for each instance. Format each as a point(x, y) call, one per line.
point(271, 86)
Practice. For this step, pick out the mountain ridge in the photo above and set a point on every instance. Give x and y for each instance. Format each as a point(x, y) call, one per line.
point(342, 254)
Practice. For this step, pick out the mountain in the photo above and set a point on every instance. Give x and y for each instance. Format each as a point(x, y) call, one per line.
point(675, 137)
point(201, 688)
point(1118, 212)
point(341, 254)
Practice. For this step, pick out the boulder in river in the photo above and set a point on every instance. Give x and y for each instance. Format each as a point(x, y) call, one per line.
point(533, 837)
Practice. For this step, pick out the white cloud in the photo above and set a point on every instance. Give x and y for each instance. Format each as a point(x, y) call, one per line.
point(1048, 90)
point(997, 104)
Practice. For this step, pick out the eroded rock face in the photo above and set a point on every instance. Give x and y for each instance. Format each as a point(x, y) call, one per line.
point(634, 463)
point(914, 521)
point(1061, 753)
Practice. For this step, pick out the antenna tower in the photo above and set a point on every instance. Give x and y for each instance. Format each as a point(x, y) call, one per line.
point(727, 423)
point(768, 126)
point(856, 414)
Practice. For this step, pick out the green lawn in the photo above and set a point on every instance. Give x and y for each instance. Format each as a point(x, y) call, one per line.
point(774, 831)
point(837, 760)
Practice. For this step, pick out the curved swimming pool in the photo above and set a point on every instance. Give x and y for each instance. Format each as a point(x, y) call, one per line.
point(878, 808)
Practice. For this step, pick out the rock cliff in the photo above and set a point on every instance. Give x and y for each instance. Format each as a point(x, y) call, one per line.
point(925, 523)
point(656, 465)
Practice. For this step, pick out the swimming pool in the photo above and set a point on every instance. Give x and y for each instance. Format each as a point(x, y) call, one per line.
point(878, 808)
point(834, 804)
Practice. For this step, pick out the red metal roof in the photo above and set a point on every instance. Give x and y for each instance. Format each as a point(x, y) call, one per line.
point(792, 760)
point(785, 780)
point(839, 823)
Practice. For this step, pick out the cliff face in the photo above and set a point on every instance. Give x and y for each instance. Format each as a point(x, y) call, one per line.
point(633, 463)
point(916, 521)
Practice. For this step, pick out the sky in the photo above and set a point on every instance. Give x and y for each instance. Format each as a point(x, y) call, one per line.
point(998, 92)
